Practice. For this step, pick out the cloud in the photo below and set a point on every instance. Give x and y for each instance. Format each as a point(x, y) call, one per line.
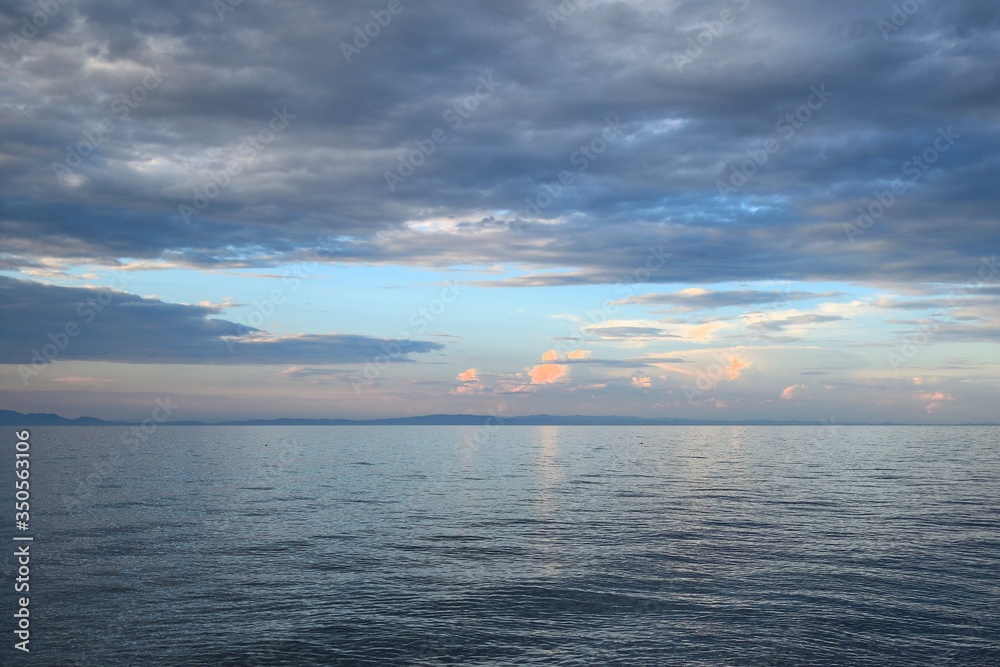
point(733, 369)
point(794, 392)
point(320, 185)
point(700, 298)
point(913, 304)
point(778, 327)
point(600, 386)
point(935, 400)
point(702, 332)
point(629, 362)
point(83, 381)
point(547, 373)
point(572, 355)
point(641, 381)
point(471, 383)
point(783, 323)
point(47, 322)
point(627, 330)
point(320, 376)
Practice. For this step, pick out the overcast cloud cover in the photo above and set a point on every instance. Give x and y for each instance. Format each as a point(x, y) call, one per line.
point(830, 162)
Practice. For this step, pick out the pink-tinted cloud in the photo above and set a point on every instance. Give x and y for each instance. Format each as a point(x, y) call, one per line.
point(579, 354)
point(702, 332)
point(794, 392)
point(551, 355)
point(936, 400)
point(547, 373)
point(642, 381)
point(734, 368)
point(470, 383)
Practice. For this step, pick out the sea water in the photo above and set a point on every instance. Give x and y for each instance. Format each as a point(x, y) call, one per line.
point(422, 545)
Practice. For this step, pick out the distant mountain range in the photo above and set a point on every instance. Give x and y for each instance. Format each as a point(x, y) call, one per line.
point(11, 418)
point(17, 419)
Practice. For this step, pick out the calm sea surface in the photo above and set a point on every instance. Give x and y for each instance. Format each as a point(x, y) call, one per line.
point(517, 545)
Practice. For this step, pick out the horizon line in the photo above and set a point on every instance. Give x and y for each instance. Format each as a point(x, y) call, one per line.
point(15, 418)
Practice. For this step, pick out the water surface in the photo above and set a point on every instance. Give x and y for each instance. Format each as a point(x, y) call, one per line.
point(517, 545)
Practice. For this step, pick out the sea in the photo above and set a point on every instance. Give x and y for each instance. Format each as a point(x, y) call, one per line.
point(508, 545)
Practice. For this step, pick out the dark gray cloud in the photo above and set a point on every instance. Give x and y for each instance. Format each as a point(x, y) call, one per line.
point(794, 321)
point(622, 363)
point(935, 331)
point(46, 323)
point(951, 302)
point(704, 299)
point(626, 332)
point(211, 81)
point(773, 330)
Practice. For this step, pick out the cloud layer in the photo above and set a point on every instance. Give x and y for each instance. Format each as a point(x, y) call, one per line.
point(575, 144)
point(44, 323)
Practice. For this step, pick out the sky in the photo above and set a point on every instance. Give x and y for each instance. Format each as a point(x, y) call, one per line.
point(709, 209)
